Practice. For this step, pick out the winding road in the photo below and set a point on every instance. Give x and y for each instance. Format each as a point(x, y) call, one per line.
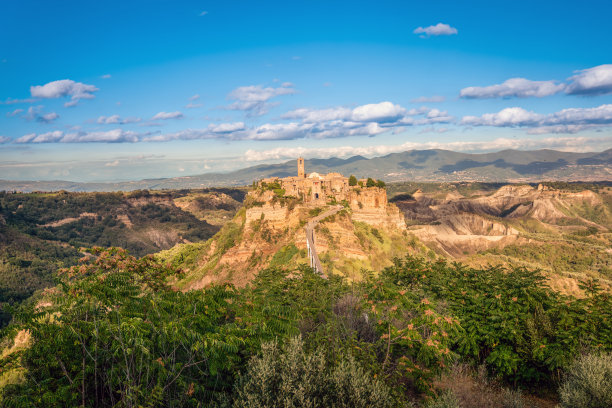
point(315, 263)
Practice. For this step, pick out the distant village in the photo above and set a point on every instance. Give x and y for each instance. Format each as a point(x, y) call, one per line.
point(317, 188)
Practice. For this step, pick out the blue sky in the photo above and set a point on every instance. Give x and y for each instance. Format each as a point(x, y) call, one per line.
point(101, 91)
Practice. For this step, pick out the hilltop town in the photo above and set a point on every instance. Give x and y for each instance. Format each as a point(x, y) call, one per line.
point(314, 189)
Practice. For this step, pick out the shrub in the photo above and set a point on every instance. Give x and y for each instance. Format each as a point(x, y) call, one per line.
point(352, 180)
point(446, 400)
point(588, 382)
point(292, 377)
point(512, 399)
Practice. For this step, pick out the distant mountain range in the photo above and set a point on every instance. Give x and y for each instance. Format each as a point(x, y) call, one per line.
point(413, 165)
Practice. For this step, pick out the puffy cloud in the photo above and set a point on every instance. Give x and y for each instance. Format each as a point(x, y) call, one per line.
point(116, 119)
point(381, 112)
point(506, 117)
point(318, 115)
point(167, 115)
point(513, 87)
point(47, 118)
point(254, 99)
point(374, 112)
point(428, 99)
point(4, 139)
point(592, 81)
point(226, 127)
point(438, 29)
point(34, 114)
point(569, 120)
point(48, 137)
point(14, 113)
point(63, 88)
point(111, 136)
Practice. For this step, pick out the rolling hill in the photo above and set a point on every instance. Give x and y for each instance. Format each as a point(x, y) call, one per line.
point(414, 165)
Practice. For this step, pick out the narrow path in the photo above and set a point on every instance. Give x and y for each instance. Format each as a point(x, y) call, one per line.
point(315, 263)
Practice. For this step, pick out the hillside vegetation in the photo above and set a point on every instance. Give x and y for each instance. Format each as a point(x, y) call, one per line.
point(115, 334)
point(42, 232)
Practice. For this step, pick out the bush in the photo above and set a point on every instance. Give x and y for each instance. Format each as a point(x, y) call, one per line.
point(512, 399)
point(588, 382)
point(352, 180)
point(292, 377)
point(446, 400)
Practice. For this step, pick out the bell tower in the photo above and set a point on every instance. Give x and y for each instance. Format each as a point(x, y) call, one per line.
point(300, 165)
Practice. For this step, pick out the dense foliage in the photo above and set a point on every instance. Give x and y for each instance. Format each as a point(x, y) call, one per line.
point(587, 382)
point(113, 333)
point(27, 264)
point(511, 320)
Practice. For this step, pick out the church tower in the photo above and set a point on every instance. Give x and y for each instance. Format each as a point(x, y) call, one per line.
point(300, 163)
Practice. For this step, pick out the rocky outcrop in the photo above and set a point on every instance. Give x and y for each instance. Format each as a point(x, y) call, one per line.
point(370, 205)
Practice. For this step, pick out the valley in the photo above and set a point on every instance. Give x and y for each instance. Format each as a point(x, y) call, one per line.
point(387, 252)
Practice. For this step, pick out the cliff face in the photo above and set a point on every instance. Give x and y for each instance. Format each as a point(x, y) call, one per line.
point(564, 232)
point(371, 206)
point(269, 231)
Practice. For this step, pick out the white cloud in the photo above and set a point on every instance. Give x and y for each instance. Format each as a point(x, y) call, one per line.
point(114, 163)
point(254, 99)
point(202, 14)
point(63, 88)
point(318, 115)
point(506, 117)
point(49, 137)
point(47, 118)
point(381, 112)
point(513, 87)
point(58, 136)
point(592, 81)
point(428, 99)
point(194, 97)
point(573, 144)
point(569, 120)
point(14, 113)
point(193, 105)
point(226, 127)
point(116, 119)
point(4, 139)
point(72, 103)
point(11, 101)
point(34, 114)
point(167, 115)
point(106, 76)
point(438, 29)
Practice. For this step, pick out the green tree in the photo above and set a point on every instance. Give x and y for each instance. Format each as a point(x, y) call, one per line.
point(352, 180)
point(380, 184)
point(370, 182)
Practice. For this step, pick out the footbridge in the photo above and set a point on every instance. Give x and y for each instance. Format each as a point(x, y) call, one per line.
point(315, 263)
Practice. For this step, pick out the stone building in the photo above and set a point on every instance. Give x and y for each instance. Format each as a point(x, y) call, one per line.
point(368, 204)
point(313, 187)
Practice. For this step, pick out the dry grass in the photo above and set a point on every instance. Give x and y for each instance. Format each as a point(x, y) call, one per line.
point(474, 389)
